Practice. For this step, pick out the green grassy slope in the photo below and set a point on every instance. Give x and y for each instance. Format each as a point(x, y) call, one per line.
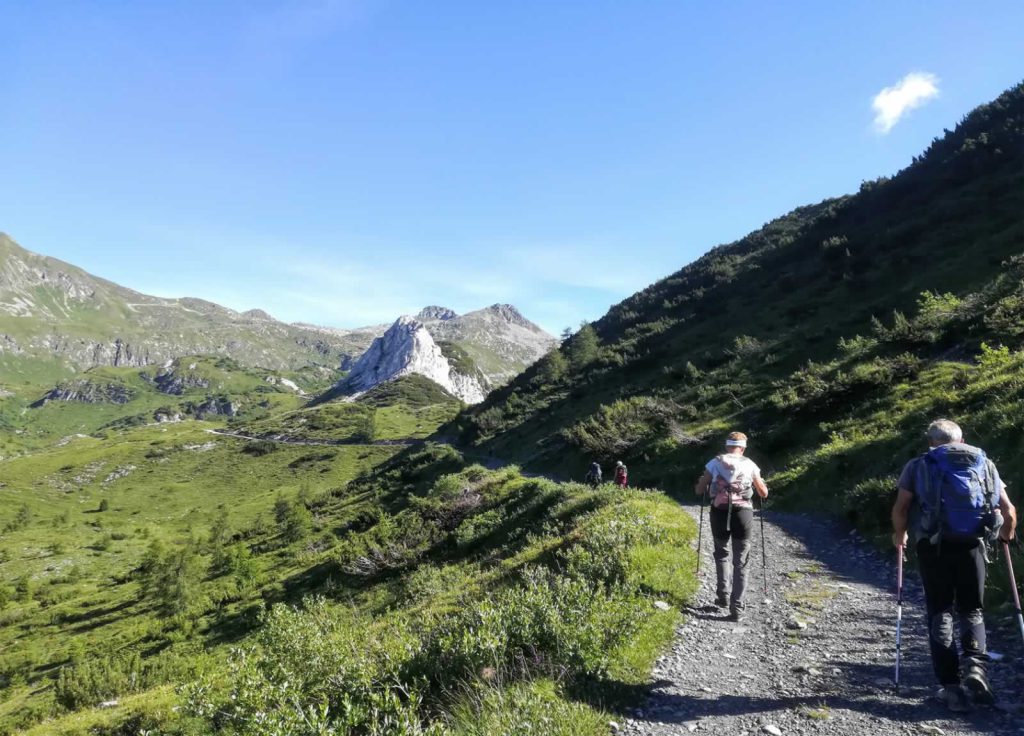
point(449, 595)
point(395, 584)
point(409, 408)
point(78, 519)
point(124, 396)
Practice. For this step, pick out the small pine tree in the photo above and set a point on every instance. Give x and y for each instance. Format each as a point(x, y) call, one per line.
point(149, 566)
point(367, 431)
point(177, 581)
point(282, 507)
point(24, 588)
point(297, 524)
point(219, 532)
point(21, 520)
point(584, 346)
point(241, 565)
point(553, 368)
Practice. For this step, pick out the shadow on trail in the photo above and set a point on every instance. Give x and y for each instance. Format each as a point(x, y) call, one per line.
point(819, 571)
point(677, 708)
point(708, 613)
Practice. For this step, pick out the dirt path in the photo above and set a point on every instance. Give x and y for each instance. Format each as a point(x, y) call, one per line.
point(288, 440)
point(832, 677)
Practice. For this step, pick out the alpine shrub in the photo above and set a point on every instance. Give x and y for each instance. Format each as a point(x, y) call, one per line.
point(321, 670)
point(550, 624)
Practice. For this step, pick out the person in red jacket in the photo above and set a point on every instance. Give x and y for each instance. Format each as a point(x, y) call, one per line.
point(621, 475)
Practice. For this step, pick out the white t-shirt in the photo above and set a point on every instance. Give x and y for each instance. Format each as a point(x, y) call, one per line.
point(742, 467)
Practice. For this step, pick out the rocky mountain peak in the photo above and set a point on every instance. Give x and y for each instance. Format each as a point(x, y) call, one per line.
point(511, 315)
point(408, 347)
point(434, 312)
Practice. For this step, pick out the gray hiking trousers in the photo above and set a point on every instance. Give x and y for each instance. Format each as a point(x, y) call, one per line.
point(739, 537)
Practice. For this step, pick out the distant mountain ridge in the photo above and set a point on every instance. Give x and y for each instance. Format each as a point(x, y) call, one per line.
point(56, 313)
point(52, 309)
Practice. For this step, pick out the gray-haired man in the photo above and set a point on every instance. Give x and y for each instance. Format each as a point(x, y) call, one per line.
point(956, 499)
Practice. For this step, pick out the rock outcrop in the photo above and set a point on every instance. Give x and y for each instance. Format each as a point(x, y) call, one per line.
point(85, 391)
point(408, 347)
point(499, 339)
point(436, 313)
point(215, 407)
point(171, 381)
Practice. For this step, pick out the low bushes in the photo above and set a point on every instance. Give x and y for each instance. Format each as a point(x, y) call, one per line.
point(557, 625)
point(96, 679)
point(493, 636)
point(620, 427)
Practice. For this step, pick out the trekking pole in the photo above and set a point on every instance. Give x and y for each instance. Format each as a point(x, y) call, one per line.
point(1013, 587)
point(764, 554)
point(700, 533)
point(899, 609)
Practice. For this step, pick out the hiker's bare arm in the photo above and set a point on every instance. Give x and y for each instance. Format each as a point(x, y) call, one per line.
point(1009, 529)
point(702, 484)
point(900, 514)
point(760, 487)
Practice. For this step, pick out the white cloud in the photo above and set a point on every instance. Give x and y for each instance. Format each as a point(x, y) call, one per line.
point(892, 103)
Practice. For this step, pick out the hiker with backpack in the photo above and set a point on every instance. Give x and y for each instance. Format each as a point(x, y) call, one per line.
point(731, 478)
point(621, 475)
point(954, 503)
point(593, 476)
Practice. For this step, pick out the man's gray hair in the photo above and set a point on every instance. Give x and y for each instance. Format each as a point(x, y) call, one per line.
point(943, 431)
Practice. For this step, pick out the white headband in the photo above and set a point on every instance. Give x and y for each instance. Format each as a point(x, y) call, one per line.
point(735, 443)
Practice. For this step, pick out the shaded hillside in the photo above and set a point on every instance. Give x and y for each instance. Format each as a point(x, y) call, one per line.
point(779, 333)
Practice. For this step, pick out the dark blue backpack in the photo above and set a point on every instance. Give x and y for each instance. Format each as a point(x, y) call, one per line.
point(955, 490)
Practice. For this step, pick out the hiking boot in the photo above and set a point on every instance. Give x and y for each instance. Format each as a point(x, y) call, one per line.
point(721, 601)
point(954, 697)
point(735, 614)
point(976, 681)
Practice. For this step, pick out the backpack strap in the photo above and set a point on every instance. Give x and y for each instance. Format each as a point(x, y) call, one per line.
point(989, 485)
point(930, 495)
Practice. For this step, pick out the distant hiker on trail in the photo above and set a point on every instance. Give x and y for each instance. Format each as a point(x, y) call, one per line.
point(954, 502)
point(594, 475)
point(621, 475)
point(732, 479)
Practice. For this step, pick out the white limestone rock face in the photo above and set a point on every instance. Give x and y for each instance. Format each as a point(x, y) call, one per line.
point(499, 339)
point(407, 347)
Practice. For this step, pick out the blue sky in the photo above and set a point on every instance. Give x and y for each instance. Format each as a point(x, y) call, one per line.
point(342, 162)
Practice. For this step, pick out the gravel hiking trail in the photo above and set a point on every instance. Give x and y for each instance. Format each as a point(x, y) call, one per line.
point(817, 658)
